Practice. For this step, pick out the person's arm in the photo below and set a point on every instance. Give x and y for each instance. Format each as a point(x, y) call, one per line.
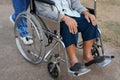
point(76, 5)
point(71, 24)
point(48, 11)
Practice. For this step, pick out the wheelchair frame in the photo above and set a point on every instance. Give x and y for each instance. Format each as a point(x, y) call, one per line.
point(53, 66)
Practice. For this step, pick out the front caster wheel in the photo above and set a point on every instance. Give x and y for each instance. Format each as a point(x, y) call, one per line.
point(53, 69)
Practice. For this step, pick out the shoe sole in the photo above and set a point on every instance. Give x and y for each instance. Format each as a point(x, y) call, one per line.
point(11, 19)
point(80, 72)
point(104, 63)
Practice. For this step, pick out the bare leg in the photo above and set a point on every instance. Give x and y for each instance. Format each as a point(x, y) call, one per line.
point(87, 56)
point(71, 51)
point(87, 46)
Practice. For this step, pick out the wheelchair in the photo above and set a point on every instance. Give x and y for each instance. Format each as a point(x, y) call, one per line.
point(43, 39)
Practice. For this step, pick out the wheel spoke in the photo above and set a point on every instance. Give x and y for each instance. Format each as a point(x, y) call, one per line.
point(33, 53)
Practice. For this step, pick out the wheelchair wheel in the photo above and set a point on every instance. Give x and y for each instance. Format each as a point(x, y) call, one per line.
point(34, 52)
point(95, 49)
point(53, 69)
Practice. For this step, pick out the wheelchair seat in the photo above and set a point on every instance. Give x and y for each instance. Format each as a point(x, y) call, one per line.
point(47, 2)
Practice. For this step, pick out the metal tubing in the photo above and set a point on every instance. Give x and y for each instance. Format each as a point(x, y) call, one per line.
point(95, 8)
point(48, 53)
point(66, 57)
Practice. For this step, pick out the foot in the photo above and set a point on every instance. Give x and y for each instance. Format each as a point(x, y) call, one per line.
point(87, 59)
point(76, 67)
point(27, 40)
point(106, 61)
point(97, 59)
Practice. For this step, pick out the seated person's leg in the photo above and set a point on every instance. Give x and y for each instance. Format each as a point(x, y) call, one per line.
point(89, 33)
point(70, 41)
point(87, 46)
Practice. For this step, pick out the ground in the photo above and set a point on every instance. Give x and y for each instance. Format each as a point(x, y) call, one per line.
point(14, 67)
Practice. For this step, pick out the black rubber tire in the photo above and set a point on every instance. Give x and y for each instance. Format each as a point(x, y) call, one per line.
point(54, 70)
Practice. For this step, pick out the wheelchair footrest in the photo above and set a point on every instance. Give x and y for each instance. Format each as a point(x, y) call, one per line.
point(104, 63)
point(80, 72)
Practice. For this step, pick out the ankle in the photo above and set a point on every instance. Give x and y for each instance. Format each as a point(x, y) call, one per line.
point(87, 59)
point(72, 62)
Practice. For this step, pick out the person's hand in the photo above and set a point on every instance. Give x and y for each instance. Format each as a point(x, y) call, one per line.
point(90, 17)
point(71, 23)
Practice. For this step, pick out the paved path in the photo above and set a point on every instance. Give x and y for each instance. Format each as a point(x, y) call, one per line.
point(14, 67)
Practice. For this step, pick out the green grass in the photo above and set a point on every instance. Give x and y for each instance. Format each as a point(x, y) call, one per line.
point(113, 32)
point(113, 26)
point(108, 17)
